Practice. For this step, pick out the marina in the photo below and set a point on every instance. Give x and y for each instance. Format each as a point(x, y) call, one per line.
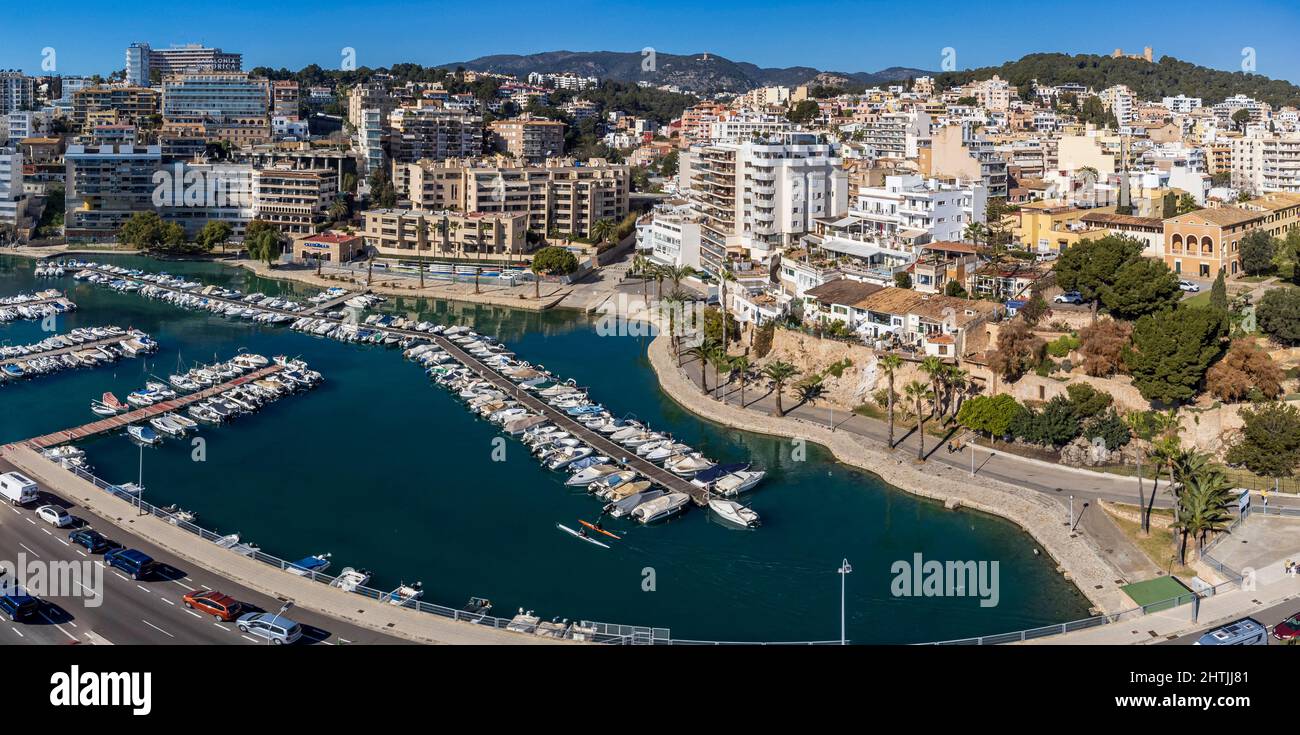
point(33, 306)
point(78, 348)
point(316, 476)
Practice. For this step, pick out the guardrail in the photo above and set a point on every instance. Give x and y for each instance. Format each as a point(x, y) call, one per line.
point(584, 630)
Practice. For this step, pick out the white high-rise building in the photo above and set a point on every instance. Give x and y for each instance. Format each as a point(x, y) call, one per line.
point(761, 195)
point(1181, 103)
point(17, 92)
point(12, 200)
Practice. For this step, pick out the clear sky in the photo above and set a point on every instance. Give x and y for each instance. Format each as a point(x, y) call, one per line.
point(840, 35)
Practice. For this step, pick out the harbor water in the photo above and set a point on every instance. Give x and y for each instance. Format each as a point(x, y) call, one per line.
point(386, 471)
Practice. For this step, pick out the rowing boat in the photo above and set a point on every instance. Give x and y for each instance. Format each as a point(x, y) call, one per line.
point(598, 529)
point(579, 535)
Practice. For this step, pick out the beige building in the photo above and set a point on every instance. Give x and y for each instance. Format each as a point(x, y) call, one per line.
point(530, 140)
point(416, 232)
point(294, 201)
point(114, 105)
point(562, 197)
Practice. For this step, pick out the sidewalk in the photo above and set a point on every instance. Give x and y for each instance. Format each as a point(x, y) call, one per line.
point(1272, 587)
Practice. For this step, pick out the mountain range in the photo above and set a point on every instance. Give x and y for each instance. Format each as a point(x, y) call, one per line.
point(703, 73)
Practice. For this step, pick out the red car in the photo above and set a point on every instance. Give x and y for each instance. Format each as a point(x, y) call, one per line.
point(222, 607)
point(1287, 629)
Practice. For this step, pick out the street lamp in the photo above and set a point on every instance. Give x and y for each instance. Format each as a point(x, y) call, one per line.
point(844, 571)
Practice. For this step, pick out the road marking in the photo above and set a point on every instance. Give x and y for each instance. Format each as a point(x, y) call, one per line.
point(79, 551)
point(160, 630)
point(15, 510)
point(19, 632)
point(29, 551)
point(47, 532)
point(169, 602)
point(191, 612)
point(142, 588)
point(60, 627)
point(186, 586)
point(204, 586)
point(250, 640)
point(65, 543)
point(122, 576)
point(31, 521)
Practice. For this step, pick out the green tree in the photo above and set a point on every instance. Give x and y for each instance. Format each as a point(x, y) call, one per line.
point(903, 279)
point(992, 415)
point(554, 261)
point(1110, 428)
point(1269, 444)
point(215, 233)
point(804, 112)
point(1257, 251)
point(1172, 351)
point(1203, 508)
point(1143, 286)
point(1091, 266)
point(1056, 424)
point(1219, 293)
point(890, 365)
point(143, 231)
point(1278, 315)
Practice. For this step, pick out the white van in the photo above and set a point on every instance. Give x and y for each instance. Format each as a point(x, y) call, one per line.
point(17, 488)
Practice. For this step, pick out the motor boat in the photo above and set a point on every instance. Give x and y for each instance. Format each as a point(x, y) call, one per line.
point(350, 579)
point(624, 490)
point(737, 482)
point(733, 512)
point(660, 508)
point(611, 481)
point(590, 474)
point(406, 594)
point(621, 507)
point(688, 464)
point(309, 565)
point(143, 434)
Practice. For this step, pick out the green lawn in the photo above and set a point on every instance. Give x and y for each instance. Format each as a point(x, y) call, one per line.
point(1158, 590)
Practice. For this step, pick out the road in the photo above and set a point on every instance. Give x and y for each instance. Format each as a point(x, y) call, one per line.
point(1269, 616)
point(146, 612)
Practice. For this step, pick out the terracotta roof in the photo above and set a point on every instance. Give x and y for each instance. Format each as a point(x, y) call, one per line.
point(1109, 218)
point(843, 291)
point(1222, 216)
point(951, 247)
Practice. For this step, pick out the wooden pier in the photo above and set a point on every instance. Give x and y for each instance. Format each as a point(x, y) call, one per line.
point(121, 421)
point(74, 348)
point(597, 441)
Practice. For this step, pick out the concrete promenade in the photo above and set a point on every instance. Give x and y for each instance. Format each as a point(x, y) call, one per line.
point(1079, 557)
point(350, 608)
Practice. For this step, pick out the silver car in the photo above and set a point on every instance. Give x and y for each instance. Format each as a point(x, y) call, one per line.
point(271, 626)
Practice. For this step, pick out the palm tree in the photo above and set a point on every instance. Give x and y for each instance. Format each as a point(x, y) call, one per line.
point(446, 235)
point(602, 230)
point(891, 364)
point(740, 366)
point(1164, 451)
point(779, 372)
point(702, 352)
point(919, 392)
point(641, 265)
point(671, 303)
point(677, 273)
point(976, 231)
point(723, 277)
point(934, 368)
point(660, 273)
point(719, 357)
point(419, 247)
point(958, 382)
point(1202, 507)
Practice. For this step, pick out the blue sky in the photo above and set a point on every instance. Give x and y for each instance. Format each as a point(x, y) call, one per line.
point(842, 35)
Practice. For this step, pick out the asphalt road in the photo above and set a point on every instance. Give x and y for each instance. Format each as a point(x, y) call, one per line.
point(1269, 616)
point(146, 612)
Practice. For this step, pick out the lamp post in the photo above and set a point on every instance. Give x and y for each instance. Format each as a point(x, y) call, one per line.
point(844, 571)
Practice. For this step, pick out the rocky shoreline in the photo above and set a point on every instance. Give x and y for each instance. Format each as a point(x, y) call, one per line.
point(1077, 556)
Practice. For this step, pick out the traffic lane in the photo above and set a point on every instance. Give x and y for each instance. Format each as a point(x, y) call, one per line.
point(128, 611)
point(317, 627)
point(1269, 616)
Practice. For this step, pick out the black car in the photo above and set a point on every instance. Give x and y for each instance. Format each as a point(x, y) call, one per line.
point(94, 541)
point(19, 607)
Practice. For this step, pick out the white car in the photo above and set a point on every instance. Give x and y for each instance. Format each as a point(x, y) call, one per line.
point(1189, 287)
point(54, 515)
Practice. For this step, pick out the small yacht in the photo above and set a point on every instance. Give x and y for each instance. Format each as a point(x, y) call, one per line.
point(733, 512)
point(588, 475)
point(660, 508)
point(406, 594)
point(309, 565)
point(143, 434)
point(620, 508)
point(350, 579)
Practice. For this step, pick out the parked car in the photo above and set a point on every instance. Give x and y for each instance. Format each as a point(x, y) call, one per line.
point(271, 626)
point(1188, 286)
point(54, 515)
point(19, 607)
point(1069, 297)
point(92, 540)
point(222, 607)
point(1244, 632)
point(18, 489)
point(135, 563)
point(1288, 629)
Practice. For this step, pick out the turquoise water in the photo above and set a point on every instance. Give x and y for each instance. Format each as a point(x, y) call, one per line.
point(387, 471)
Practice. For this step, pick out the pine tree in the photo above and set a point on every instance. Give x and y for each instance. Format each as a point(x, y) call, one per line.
point(1219, 294)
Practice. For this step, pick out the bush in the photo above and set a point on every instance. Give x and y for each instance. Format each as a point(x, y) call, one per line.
point(554, 261)
point(991, 415)
point(1063, 345)
point(1278, 314)
point(1110, 428)
point(1087, 400)
point(1245, 372)
point(1055, 425)
point(1102, 345)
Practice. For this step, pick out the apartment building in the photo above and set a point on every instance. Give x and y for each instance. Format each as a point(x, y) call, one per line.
point(284, 99)
point(17, 92)
point(143, 63)
point(917, 209)
point(224, 194)
point(228, 107)
point(406, 233)
point(296, 202)
point(1181, 104)
point(529, 139)
point(960, 152)
point(697, 119)
point(671, 236)
point(13, 202)
point(1265, 162)
point(763, 194)
point(942, 326)
point(102, 105)
point(369, 96)
point(1203, 242)
point(105, 186)
point(434, 133)
point(894, 135)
